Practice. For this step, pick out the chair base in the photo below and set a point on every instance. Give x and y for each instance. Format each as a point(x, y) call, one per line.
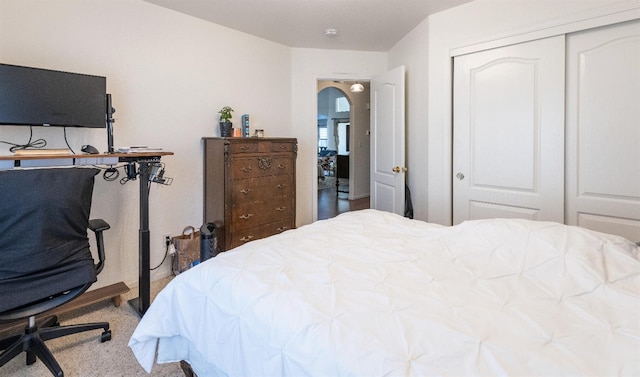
point(32, 341)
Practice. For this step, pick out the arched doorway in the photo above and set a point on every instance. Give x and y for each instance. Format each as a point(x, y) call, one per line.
point(343, 148)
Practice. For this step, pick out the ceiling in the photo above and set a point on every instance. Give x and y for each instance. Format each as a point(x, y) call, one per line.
point(365, 25)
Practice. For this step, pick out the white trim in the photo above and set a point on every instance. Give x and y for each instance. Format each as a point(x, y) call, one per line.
point(621, 12)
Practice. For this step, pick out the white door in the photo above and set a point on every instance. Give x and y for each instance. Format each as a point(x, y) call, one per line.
point(508, 145)
point(387, 142)
point(603, 129)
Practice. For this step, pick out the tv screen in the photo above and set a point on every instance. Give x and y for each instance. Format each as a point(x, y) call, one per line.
point(42, 97)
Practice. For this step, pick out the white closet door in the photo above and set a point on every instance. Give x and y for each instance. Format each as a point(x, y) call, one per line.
point(509, 132)
point(603, 129)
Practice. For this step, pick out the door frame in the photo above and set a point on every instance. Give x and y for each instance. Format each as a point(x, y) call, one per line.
point(314, 183)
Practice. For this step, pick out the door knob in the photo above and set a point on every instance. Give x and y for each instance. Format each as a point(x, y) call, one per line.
point(398, 169)
point(460, 176)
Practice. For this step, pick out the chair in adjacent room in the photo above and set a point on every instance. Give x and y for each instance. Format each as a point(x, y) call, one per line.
point(45, 259)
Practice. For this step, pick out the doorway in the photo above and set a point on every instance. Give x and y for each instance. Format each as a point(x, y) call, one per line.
point(343, 148)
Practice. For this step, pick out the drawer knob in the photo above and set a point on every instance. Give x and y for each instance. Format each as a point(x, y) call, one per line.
point(245, 191)
point(244, 147)
point(281, 166)
point(264, 163)
point(281, 186)
point(281, 209)
point(282, 229)
point(246, 238)
point(245, 217)
point(246, 169)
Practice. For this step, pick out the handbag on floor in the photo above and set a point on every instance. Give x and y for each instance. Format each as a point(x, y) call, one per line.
point(187, 250)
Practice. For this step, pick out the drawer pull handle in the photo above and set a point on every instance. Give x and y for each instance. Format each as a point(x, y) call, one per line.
point(281, 209)
point(246, 169)
point(245, 217)
point(246, 238)
point(282, 166)
point(281, 186)
point(264, 163)
point(282, 229)
point(245, 191)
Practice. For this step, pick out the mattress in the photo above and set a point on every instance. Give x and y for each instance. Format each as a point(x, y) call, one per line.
point(370, 293)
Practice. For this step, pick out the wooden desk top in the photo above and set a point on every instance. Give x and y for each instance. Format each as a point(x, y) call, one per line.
point(136, 155)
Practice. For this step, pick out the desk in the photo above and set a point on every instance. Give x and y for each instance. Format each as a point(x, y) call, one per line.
point(143, 160)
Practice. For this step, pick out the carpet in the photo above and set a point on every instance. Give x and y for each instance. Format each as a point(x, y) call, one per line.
point(82, 355)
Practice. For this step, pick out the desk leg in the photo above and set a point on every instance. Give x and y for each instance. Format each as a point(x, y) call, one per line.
point(142, 302)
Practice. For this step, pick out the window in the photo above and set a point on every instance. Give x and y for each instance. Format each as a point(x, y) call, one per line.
point(322, 136)
point(342, 104)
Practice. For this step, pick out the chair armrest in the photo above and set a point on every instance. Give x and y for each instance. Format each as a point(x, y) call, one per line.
point(98, 226)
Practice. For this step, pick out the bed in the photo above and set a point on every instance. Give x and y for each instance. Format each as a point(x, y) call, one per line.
point(370, 293)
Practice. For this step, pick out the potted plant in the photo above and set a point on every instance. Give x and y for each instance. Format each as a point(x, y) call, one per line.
point(225, 121)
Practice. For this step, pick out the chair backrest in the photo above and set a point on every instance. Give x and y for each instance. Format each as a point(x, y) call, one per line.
point(44, 248)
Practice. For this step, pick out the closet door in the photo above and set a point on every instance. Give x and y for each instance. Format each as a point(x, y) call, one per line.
point(508, 132)
point(603, 129)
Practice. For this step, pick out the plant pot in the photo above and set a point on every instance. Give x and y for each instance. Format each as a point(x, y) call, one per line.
point(225, 129)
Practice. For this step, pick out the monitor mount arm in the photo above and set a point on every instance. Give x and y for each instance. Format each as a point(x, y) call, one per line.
point(110, 120)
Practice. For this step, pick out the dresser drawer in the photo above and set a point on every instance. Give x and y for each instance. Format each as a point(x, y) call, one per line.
point(282, 147)
point(259, 213)
point(260, 166)
point(249, 190)
point(245, 235)
point(243, 147)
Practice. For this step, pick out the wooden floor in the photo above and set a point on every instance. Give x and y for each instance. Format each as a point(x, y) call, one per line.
point(331, 204)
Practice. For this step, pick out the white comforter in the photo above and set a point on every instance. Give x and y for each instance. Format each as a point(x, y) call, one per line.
point(374, 294)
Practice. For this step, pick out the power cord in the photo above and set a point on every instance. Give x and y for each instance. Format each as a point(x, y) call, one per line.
point(38, 143)
point(110, 174)
point(167, 242)
point(64, 131)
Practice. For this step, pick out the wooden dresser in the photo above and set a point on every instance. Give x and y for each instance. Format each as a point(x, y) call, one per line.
point(249, 187)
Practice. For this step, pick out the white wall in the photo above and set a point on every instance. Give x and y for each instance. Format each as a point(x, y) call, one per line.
point(169, 74)
point(307, 66)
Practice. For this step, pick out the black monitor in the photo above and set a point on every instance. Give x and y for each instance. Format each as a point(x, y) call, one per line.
point(42, 97)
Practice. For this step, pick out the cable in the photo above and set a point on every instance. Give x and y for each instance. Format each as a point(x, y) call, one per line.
point(66, 141)
point(110, 174)
point(38, 143)
point(166, 252)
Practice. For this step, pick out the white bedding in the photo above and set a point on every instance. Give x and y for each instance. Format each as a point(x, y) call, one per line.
point(374, 294)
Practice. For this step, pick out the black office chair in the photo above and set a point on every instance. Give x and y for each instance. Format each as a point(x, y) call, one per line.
point(45, 259)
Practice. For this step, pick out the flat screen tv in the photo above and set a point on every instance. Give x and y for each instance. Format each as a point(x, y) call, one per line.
point(43, 97)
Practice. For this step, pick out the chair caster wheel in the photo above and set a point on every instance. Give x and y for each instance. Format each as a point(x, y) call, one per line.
point(106, 336)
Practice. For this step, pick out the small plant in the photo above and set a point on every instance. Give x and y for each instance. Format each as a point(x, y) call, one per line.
point(225, 114)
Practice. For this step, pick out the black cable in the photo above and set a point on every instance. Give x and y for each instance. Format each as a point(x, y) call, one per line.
point(166, 252)
point(110, 174)
point(38, 143)
point(66, 141)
